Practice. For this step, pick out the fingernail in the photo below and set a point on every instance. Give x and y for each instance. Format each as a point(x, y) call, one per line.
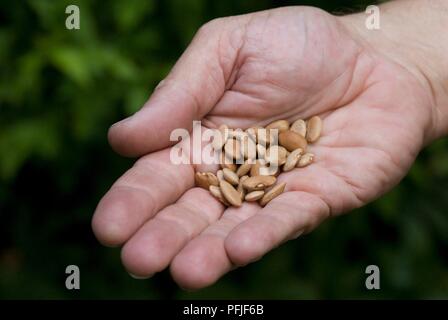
point(140, 277)
point(188, 290)
point(159, 85)
point(296, 235)
point(116, 124)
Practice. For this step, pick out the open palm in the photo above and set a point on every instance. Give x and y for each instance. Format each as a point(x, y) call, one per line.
point(241, 71)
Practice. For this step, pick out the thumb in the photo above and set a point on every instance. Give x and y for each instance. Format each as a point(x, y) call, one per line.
point(189, 92)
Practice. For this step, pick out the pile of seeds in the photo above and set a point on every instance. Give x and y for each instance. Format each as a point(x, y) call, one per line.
point(251, 160)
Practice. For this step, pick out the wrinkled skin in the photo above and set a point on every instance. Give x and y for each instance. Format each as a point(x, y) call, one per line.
point(286, 63)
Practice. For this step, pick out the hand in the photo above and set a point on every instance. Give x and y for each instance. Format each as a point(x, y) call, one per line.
point(286, 63)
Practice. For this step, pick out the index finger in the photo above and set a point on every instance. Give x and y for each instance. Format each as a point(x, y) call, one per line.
point(153, 183)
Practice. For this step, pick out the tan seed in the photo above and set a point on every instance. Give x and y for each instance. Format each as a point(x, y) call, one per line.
point(225, 162)
point(205, 179)
point(313, 129)
point(276, 155)
point(220, 137)
point(240, 188)
point(230, 176)
point(305, 160)
point(220, 175)
point(280, 125)
point(238, 134)
point(252, 134)
point(261, 151)
point(254, 195)
point(271, 194)
point(299, 126)
point(255, 169)
point(248, 148)
point(230, 193)
point(216, 192)
point(266, 137)
point(292, 140)
point(292, 159)
point(258, 182)
point(271, 170)
point(232, 149)
point(244, 168)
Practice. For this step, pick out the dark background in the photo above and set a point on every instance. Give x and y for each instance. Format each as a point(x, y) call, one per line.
point(60, 90)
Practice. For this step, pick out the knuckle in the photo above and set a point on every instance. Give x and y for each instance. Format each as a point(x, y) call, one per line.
point(210, 27)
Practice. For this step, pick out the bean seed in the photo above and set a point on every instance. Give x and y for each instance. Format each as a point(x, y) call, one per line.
point(216, 192)
point(258, 182)
point(254, 195)
point(271, 194)
point(244, 168)
point(230, 176)
point(292, 140)
point(261, 151)
point(255, 169)
point(232, 149)
point(305, 160)
point(220, 175)
point(299, 126)
point(292, 159)
point(252, 134)
point(205, 179)
point(249, 149)
point(230, 193)
point(266, 137)
point(313, 129)
point(280, 125)
point(276, 155)
point(240, 188)
point(220, 137)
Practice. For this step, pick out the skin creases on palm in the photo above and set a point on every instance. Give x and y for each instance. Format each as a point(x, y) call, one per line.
point(291, 63)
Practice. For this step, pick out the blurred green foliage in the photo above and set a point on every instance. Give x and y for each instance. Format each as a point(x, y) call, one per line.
point(59, 92)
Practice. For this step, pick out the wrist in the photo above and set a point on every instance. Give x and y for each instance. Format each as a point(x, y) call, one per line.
point(413, 34)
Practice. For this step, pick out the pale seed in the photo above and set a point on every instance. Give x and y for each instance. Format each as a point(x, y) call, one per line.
point(216, 192)
point(280, 125)
point(220, 175)
point(244, 168)
point(240, 188)
point(230, 176)
point(232, 149)
point(238, 134)
point(271, 170)
point(248, 148)
point(258, 182)
point(255, 169)
point(271, 194)
point(276, 155)
point(227, 163)
point(252, 134)
point(292, 159)
point(305, 160)
point(313, 129)
point(230, 193)
point(220, 137)
point(299, 126)
point(292, 140)
point(261, 151)
point(205, 179)
point(254, 195)
point(265, 136)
